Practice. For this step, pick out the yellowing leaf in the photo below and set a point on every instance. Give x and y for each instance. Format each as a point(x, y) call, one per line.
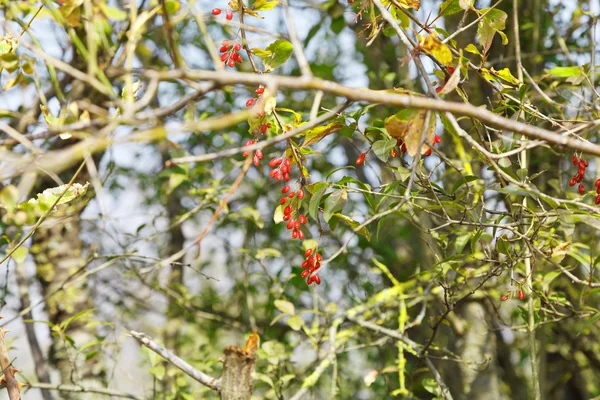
point(264, 5)
point(414, 4)
point(433, 46)
point(452, 82)
point(315, 135)
point(411, 129)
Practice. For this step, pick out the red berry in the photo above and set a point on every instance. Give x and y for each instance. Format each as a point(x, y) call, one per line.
point(275, 162)
point(581, 189)
point(308, 252)
point(290, 224)
point(274, 173)
point(438, 89)
point(598, 190)
point(317, 266)
point(450, 70)
point(521, 294)
point(297, 224)
point(583, 164)
point(238, 57)
point(256, 160)
point(260, 90)
point(224, 56)
point(309, 280)
point(317, 280)
point(291, 195)
point(428, 152)
point(360, 159)
point(287, 162)
point(319, 257)
point(574, 159)
point(249, 102)
point(302, 220)
point(579, 177)
point(287, 210)
point(229, 15)
point(301, 193)
point(231, 62)
point(216, 11)
point(305, 273)
point(285, 169)
point(403, 148)
point(573, 181)
point(237, 47)
point(286, 217)
point(294, 234)
point(597, 201)
point(283, 200)
point(505, 297)
point(597, 184)
point(285, 189)
point(437, 139)
point(394, 153)
point(300, 235)
point(286, 176)
point(223, 49)
point(263, 129)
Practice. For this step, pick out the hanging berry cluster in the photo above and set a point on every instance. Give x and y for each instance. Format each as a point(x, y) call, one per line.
point(228, 13)
point(402, 147)
point(311, 264)
point(230, 54)
point(579, 176)
point(520, 294)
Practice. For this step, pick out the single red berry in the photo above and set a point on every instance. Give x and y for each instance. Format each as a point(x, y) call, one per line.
point(521, 294)
point(224, 56)
point(285, 189)
point(579, 178)
point(305, 273)
point(223, 49)
point(275, 162)
point(308, 252)
point(274, 173)
point(286, 217)
point(229, 15)
point(598, 190)
point(597, 201)
point(437, 139)
point(291, 195)
point(450, 70)
point(231, 62)
point(238, 57)
point(302, 220)
point(256, 160)
point(360, 159)
point(584, 162)
point(301, 193)
point(263, 129)
point(260, 90)
point(438, 89)
point(259, 154)
point(317, 280)
point(287, 210)
point(581, 189)
point(309, 280)
point(290, 224)
point(574, 159)
point(286, 176)
point(297, 224)
point(285, 168)
point(505, 297)
point(428, 152)
point(300, 235)
point(249, 102)
point(237, 47)
point(278, 175)
point(394, 153)
point(305, 264)
point(287, 162)
point(216, 11)
point(403, 148)
point(597, 184)
point(294, 234)
point(319, 257)
point(225, 42)
point(283, 200)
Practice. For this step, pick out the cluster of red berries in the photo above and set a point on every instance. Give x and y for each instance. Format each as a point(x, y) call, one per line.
point(310, 265)
point(228, 13)
point(258, 155)
point(520, 294)
point(230, 53)
point(281, 169)
point(439, 88)
point(578, 177)
point(293, 224)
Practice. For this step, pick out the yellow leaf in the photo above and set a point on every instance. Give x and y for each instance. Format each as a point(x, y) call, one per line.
point(433, 46)
point(411, 129)
point(414, 4)
point(317, 134)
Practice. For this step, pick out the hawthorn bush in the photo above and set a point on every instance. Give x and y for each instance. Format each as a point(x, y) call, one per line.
point(284, 199)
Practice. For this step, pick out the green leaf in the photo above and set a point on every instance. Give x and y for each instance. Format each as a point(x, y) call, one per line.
point(280, 51)
point(382, 148)
point(471, 48)
point(450, 7)
point(565, 72)
point(113, 13)
point(315, 200)
point(317, 134)
point(20, 254)
point(494, 22)
point(354, 224)
point(462, 181)
point(9, 197)
point(295, 322)
point(285, 307)
point(335, 202)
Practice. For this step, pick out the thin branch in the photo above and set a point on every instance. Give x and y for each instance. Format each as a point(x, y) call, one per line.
point(206, 380)
point(82, 389)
